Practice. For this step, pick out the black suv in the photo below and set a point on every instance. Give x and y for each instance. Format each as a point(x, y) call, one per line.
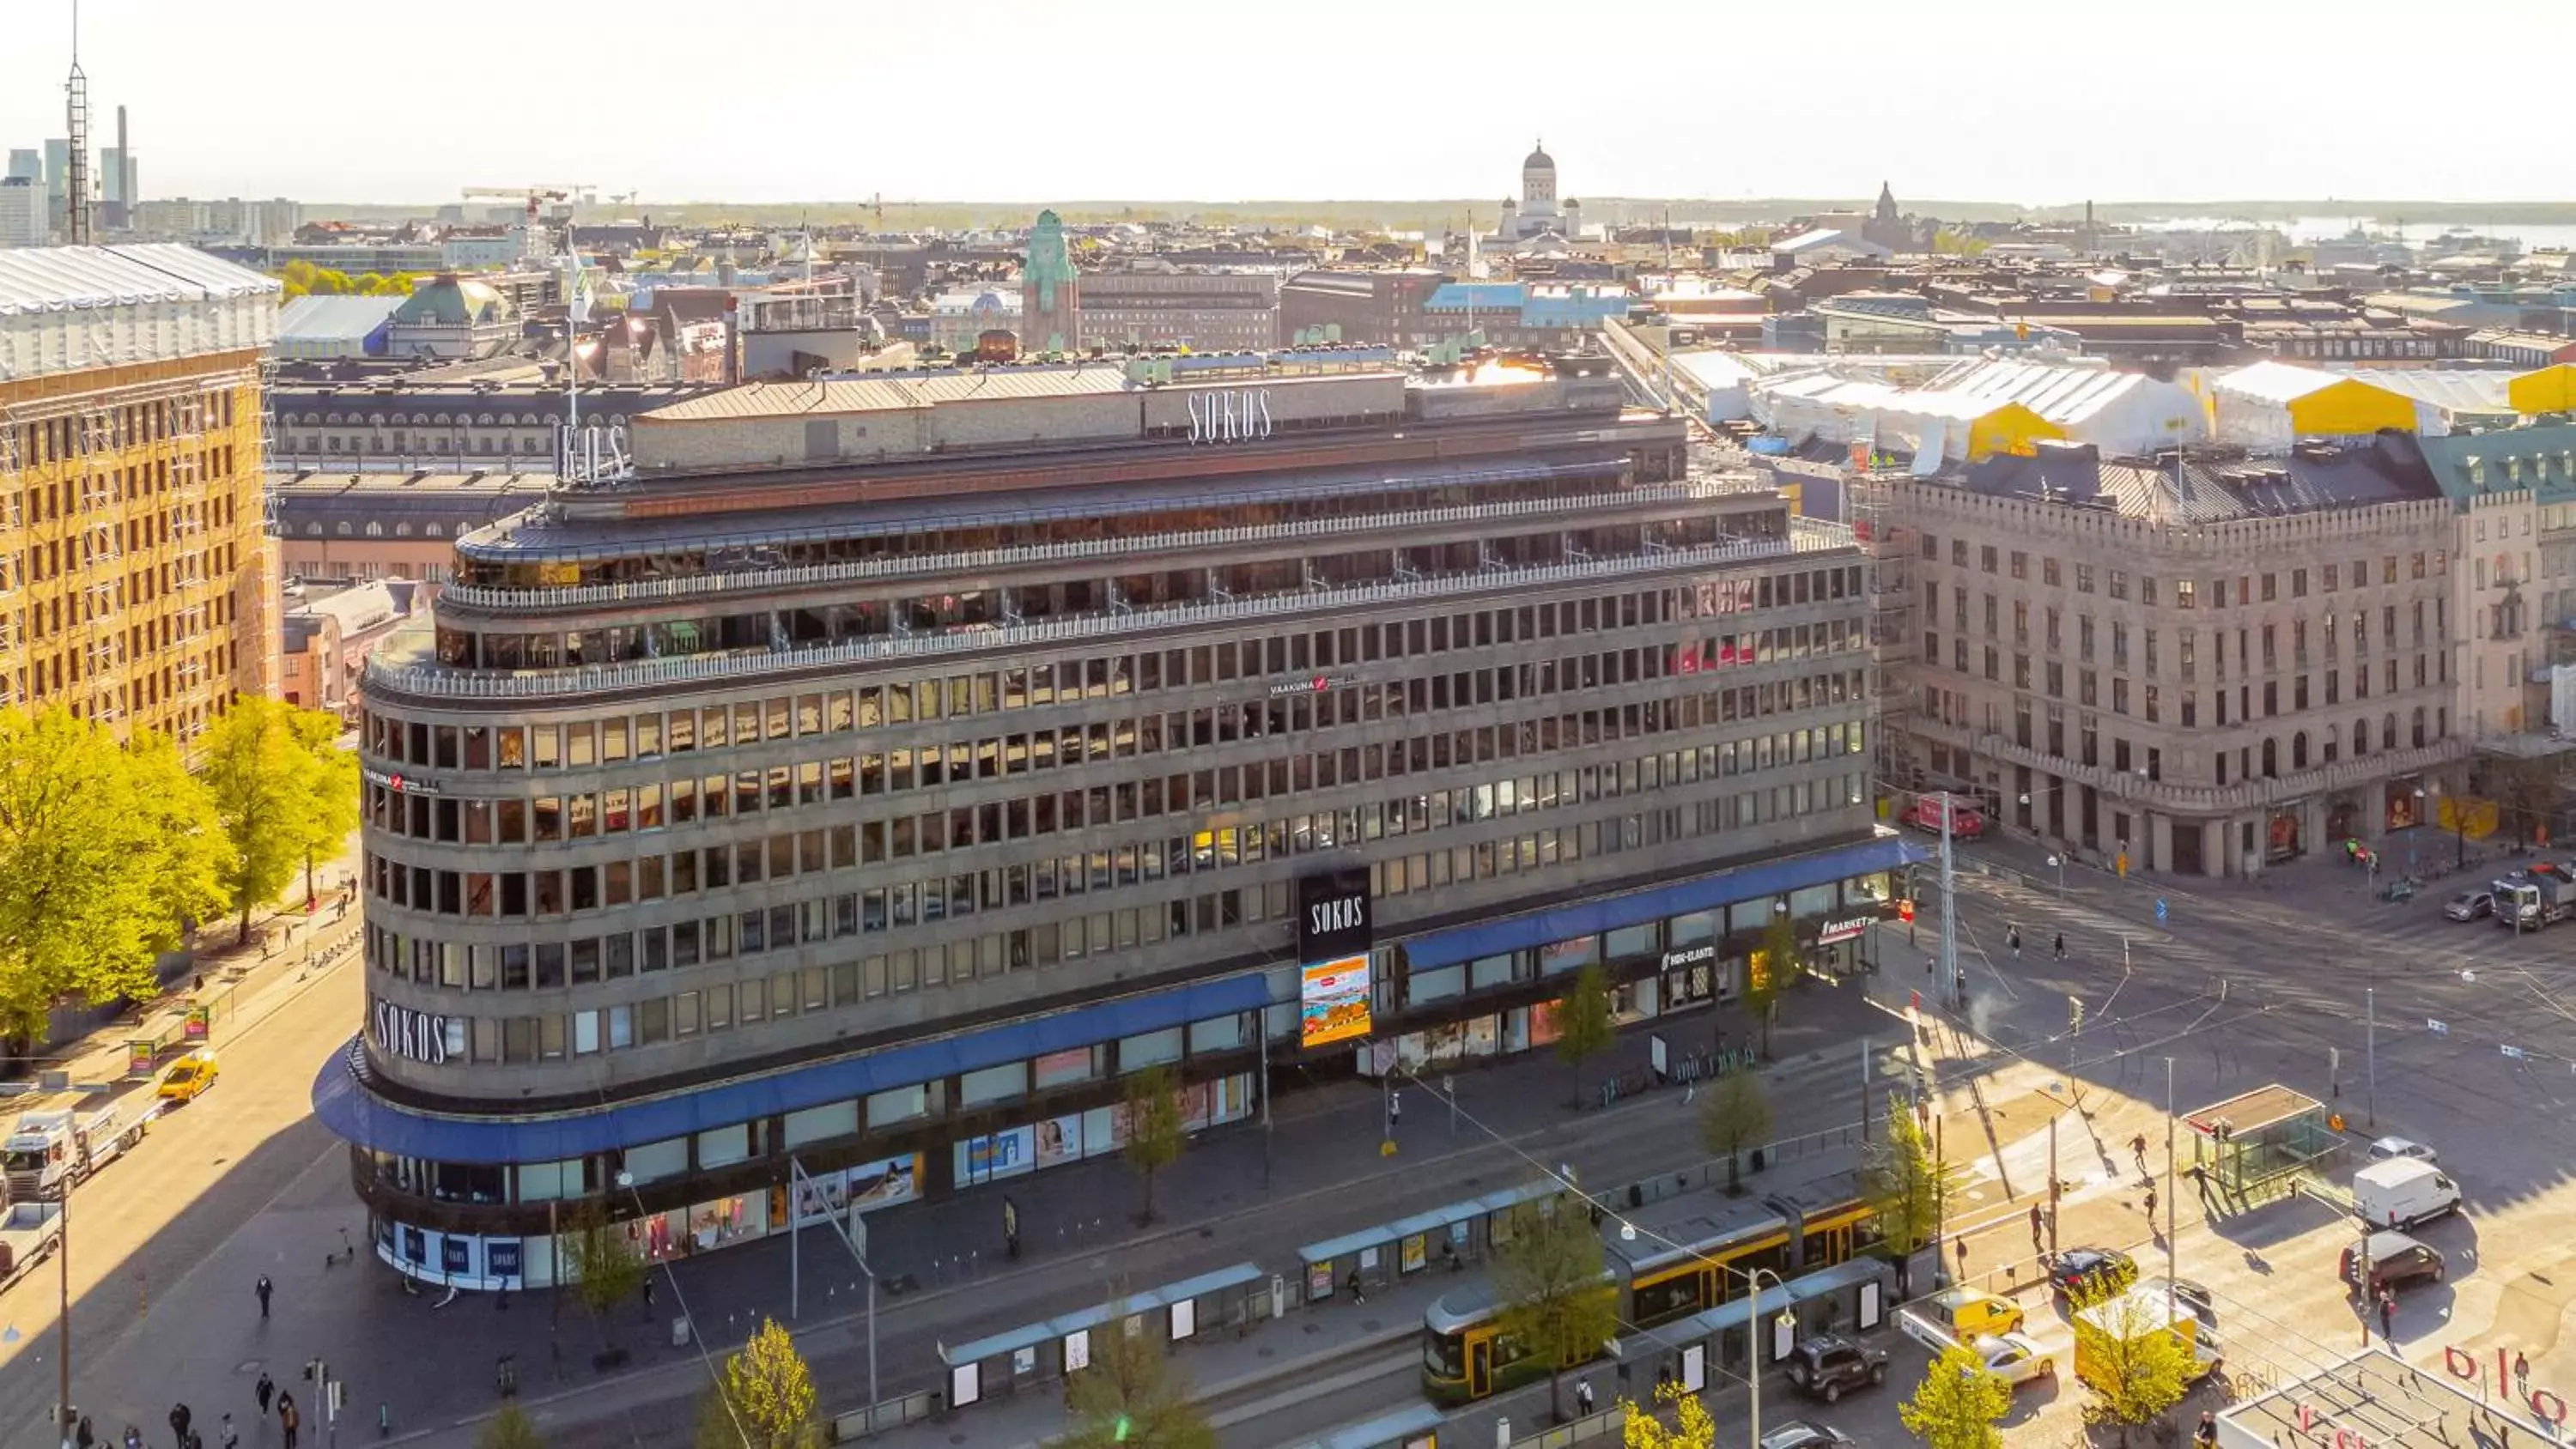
point(1829, 1363)
point(2396, 1261)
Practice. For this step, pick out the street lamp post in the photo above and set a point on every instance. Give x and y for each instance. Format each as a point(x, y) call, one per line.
point(2059, 861)
point(1753, 1342)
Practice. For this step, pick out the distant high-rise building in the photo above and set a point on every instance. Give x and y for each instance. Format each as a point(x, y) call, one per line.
point(117, 178)
point(27, 164)
point(22, 211)
point(58, 168)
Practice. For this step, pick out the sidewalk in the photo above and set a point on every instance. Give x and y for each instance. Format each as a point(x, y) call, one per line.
point(941, 1264)
point(288, 943)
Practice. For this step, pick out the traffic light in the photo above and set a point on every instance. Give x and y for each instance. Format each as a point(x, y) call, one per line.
point(2074, 1015)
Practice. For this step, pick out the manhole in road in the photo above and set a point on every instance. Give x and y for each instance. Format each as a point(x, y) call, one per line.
point(247, 1366)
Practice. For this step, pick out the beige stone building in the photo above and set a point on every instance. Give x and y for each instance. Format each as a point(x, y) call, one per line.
point(2204, 667)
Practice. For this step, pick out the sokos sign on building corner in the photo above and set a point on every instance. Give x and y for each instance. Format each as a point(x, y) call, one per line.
point(1229, 416)
point(416, 1036)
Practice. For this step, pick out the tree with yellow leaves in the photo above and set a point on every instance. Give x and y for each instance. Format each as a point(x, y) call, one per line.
point(1692, 1426)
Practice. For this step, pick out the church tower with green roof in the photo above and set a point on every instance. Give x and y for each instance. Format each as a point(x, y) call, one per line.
point(1050, 307)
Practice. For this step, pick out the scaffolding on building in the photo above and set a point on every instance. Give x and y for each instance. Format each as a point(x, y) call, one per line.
point(1889, 542)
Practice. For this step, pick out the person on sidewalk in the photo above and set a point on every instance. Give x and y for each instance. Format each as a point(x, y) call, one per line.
point(133, 1437)
point(2138, 1150)
point(289, 1418)
point(2151, 1209)
point(85, 1437)
point(1358, 1294)
point(230, 1437)
point(1394, 1108)
point(2038, 1220)
point(1583, 1395)
point(263, 1288)
point(179, 1424)
point(2012, 938)
point(263, 1391)
point(2061, 945)
point(2388, 1315)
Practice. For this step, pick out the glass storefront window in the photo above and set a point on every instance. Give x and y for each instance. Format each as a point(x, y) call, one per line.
point(1487, 971)
point(1558, 956)
point(993, 1084)
point(1136, 1053)
point(903, 1104)
point(1689, 929)
point(1222, 1034)
point(655, 1161)
point(1811, 901)
point(1435, 985)
point(725, 1146)
point(1630, 941)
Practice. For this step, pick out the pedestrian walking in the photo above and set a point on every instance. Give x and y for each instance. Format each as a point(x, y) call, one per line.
point(1358, 1294)
point(2037, 1221)
point(1583, 1395)
point(2151, 1209)
point(2207, 1434)
point(263, 1391)
point(2138, 1150)
point(648, 1290)
point(85, 1437)
point(1961, 982)
point(1394, 1107)
point(2012, 938)
point(263, 1288)
point(231, 1437)
point(179, 1424)
point(2061, 945)
point(133, 1437)
point(289, 1418)
point(2388, 1315)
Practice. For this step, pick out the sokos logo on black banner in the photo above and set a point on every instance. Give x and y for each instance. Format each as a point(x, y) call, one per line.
point(1333, 916)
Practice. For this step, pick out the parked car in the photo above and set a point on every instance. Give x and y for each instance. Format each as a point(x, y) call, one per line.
point(1806, 1434)
point(2470, 906)
point(2390, 1147)
point(2194, 1297)
point(2090, 1272)
point(2396, 1261)
point(1828, 1363)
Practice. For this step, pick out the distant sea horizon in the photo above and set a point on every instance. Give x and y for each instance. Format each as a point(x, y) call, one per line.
point(2308, 229)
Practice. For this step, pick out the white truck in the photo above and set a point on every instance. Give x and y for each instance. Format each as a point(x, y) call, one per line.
point(2530, 899)
point(2402, 1192)
point(64, 1139)
point(28, 1236)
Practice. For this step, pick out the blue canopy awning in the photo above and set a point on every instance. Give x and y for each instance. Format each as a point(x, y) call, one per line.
point(345, 1105)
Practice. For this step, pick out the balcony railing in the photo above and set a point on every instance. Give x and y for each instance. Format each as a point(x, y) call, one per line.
point(2198, 799)
point(533, 600)
point(442, 682)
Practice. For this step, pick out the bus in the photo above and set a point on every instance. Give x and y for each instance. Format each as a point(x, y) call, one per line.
point(1667, 1262)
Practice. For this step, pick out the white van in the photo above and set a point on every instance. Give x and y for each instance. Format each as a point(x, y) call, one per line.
point(2402, 1192)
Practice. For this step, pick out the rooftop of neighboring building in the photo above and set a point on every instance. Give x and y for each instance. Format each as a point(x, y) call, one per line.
point(454, 301)
point(2540, 458)
point(46, 279)
point(333, 319)
point(2375, 1398)
point(2211, 486)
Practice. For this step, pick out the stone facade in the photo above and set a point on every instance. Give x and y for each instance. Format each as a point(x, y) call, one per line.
point(2198, 697)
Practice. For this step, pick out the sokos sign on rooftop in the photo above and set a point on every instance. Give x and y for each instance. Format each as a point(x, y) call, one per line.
point(1231, 416)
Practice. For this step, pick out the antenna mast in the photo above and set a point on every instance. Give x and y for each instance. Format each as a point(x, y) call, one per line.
point(76, 122)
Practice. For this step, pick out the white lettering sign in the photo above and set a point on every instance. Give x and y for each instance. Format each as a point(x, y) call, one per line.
point(1230, 416)
point(1347, 914)
point(412, 1035)
point(1688, 955)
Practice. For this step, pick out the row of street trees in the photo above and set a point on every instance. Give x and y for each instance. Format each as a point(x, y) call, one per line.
point(112, 851)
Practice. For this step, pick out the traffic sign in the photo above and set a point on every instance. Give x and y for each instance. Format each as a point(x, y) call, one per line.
point(2162, 912)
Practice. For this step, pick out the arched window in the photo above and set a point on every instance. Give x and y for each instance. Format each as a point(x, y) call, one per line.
point(344, 530)
point(2388, 730)
point(402, 530)
point(2299, 750)
point(434, 530)
point(2360, 738)
point(2271, 758)
point(2419, 726)
point(313, 530)
point(375, 530)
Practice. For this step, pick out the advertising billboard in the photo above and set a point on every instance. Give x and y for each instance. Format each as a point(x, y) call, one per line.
point(1333, 916)
point(1333, 1001)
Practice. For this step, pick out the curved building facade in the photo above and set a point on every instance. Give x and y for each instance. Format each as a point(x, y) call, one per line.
point(886, 770)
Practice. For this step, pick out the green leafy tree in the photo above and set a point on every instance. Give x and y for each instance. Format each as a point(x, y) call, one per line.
point(1131, 1395)
point(329, 780)
point(1774, 969)
point(2526, 792)
point(108, 853)
point(1909, 1187)
point(1154, 1131)
point(510, 1429)
point(274, 795)
point(762, 1399)
point(2134, 1362)
point(1583, 1026)
point(1735, 1116)
point(1693, 1426)
point(1550, 1281)
point(606, 1270)
point(1958, 1403)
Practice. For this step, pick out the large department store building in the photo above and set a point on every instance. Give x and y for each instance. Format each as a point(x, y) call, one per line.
point(880, 771)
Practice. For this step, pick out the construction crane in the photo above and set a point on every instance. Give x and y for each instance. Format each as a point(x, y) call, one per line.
point(533, 195)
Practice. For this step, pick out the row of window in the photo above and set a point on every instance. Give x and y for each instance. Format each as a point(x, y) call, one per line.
point(101, 430)
point(875, 842)
point(2186, 592)
point(2430, 670)
point(648, 735)
point(956, 958)
point(2423, 729)
point(2053, 633)
point(935, 610)
point(649, 804)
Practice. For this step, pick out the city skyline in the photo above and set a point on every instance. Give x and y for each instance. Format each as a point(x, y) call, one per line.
point(1297, 120)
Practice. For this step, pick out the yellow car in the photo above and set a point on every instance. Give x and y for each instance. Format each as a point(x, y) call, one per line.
point(1969, 1315)
point(190, 1078)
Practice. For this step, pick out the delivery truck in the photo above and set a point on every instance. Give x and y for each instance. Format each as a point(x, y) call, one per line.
point(2530, 899)
point(2103, 1331)
point(61, 1140)
point(29, 1234)
point(2402, 1192)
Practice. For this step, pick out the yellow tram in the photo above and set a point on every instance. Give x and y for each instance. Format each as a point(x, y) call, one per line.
point(1684, 1257)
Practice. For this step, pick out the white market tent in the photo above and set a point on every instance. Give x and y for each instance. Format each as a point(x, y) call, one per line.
point(2124, 413)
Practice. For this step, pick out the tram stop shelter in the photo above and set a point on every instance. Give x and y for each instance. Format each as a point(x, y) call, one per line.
point(2256, 1144)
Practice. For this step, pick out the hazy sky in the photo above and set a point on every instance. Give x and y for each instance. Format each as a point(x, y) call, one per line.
point(2009, 100)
